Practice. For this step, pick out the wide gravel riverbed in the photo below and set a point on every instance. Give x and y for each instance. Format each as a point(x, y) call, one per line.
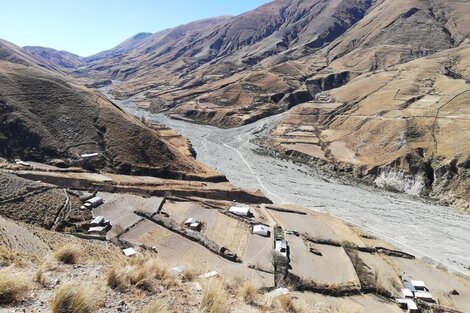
point(418, 227)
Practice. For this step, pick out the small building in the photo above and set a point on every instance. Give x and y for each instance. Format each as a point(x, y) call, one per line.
point(23, 163)
point(281, 247)
point(193, 224)
point(98, 221)
point(98, 229)
point(261, 230)
point(94, 202)
point(407, 304)
point(190, 221)
point(129, 252)
point(424, 296)
point(240, 210)
point(88, 155)
point(419, 285)
point(407, 293)
point(410, 287)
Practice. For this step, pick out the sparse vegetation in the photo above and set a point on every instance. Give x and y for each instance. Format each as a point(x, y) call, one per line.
point(348, 244)
point(158, 305)
point(287, 304)
point(68, 254)
point(248, 292)
point(215, 298)
point(189, 273)
point(143, 272)
point(76, 298)
point(40, 276)
point(117, 277)
point(14, 287)
point(10, 256)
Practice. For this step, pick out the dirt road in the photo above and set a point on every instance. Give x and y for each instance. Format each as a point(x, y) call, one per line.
point(418, 227)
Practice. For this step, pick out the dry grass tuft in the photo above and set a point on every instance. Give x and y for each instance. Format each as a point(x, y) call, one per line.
point(77, 298)
point(147, 284)
point(158, 305)
point(189, 274)
point(248, 292)
point(287, 304)
point(40, 276)
point(215, 298)
point(142, 272)
point(68, 254)
point(118, 277)
point(14, 287)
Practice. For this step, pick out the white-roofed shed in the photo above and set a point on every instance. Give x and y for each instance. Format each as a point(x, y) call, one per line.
point(261, 230)
point(240, 210)
point(129, 252)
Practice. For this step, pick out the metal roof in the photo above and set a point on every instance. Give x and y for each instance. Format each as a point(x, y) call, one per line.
point(240, 210)
point(418, 283)
point(407, 293)
point(129, 251)
point(98, 220)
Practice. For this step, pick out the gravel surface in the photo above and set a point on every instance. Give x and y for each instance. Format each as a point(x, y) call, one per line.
point(416, 226)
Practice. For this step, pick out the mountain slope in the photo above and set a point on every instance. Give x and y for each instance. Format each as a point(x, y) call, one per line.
point(405, 129)
point(400, 31)
point(270, 29)
point(13, 54)
point(120, 49)
point(232, 70)
point(44, 117)
point(53, 59)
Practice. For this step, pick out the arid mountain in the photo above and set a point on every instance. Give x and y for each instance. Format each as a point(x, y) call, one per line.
point(120, 49)
point(46, 118)
point(399, 31)
point(356, 69)
point(53, 59)
point(13, 54)
point(407, 128)
point(232, 70)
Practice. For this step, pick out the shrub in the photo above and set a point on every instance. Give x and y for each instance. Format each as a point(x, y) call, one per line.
point(189, 274)
point(142, 272)
point(68, 254)
point(157, 305)
point(287, 304)
point(76, 298)
point(348, 244)
point(214, 298)
point(10, 256)
point(118, 277)
point(40, 276)
point(248, 292)
point(14, 287)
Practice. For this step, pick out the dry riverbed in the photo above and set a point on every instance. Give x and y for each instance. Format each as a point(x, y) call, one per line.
point(416, 226)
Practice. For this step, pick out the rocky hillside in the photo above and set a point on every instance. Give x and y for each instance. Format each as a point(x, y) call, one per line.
point(46, 118)
point(406, 128)
point(379, 85)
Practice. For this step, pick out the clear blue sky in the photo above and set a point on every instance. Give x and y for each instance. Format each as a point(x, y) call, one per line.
point(86, 27)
